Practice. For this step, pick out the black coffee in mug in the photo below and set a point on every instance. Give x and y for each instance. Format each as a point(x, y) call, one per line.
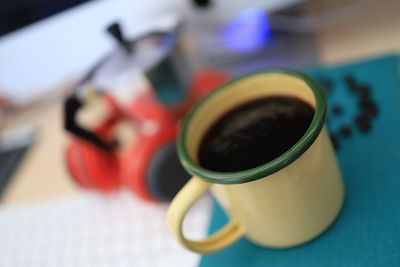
point(254, 133)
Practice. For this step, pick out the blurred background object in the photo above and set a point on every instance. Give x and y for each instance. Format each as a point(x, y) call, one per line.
point(53, 45)
point(95, 157)
point(66, 38)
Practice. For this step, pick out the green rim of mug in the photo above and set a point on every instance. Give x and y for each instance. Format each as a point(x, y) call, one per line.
point(270, 167)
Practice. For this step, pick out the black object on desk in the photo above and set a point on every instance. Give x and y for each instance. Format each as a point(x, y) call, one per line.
point(9, 161)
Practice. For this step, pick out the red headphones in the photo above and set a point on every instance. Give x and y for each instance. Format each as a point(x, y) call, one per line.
point(150, 166)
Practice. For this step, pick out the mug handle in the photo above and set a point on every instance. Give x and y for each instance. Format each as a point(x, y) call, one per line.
point(181, 204)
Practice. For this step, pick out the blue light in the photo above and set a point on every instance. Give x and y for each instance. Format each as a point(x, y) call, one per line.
point(249, 30)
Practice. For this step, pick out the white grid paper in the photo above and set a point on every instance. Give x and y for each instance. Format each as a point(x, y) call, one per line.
point(96, 230)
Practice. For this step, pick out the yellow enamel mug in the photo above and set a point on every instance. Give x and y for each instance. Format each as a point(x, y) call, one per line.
point(282, 203)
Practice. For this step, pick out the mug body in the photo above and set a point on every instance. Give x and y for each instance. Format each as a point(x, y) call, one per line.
point(287, 201)
point(291, 206)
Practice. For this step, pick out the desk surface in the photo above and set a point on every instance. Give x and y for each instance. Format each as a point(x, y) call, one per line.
point(43, 173)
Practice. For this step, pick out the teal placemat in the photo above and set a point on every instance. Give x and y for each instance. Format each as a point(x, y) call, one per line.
point(367, 232)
